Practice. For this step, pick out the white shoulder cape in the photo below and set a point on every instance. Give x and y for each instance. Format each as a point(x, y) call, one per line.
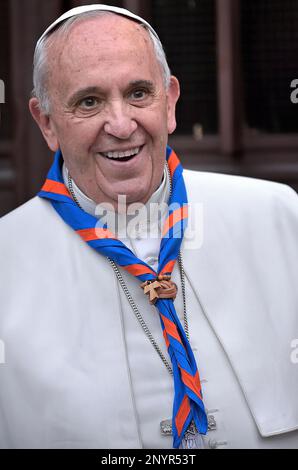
point(59, 319)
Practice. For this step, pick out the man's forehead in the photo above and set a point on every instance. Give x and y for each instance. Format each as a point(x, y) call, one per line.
point(98, 38)
point(109, 43)
point(106, 28)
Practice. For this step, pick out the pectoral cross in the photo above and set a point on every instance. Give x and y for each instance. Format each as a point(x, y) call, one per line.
point(192, 439)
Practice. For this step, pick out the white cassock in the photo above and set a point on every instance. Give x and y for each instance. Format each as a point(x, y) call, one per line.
point(79, 372)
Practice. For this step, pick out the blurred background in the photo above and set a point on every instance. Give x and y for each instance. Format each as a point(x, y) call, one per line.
point(235, 59)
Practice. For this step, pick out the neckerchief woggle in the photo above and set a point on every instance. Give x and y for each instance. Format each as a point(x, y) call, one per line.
point(188, 405)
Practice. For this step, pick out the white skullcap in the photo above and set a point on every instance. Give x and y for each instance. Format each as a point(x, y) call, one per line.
point(97, 7)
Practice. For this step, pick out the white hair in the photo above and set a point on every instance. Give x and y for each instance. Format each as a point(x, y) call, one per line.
point(40, 65)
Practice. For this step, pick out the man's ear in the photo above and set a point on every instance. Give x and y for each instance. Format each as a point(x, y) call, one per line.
point(45, 124)
point(173, 94)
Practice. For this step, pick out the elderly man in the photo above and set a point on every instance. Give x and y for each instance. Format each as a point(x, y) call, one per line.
point(138, 331)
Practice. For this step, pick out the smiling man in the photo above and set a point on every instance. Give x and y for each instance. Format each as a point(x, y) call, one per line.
point(111, 112)
point(146, 338)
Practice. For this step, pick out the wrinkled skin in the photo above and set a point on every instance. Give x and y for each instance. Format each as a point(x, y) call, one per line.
point(107, 94)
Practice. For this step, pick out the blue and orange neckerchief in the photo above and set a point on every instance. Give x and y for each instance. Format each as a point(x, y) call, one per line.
point(188, 406)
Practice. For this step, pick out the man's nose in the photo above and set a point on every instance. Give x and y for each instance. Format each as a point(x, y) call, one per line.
point(119, 121)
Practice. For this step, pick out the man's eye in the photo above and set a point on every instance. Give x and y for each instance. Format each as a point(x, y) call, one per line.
point(139, 94)
point(89, 102)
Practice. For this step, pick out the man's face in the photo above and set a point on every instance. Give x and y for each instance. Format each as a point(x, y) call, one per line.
point(108, 101)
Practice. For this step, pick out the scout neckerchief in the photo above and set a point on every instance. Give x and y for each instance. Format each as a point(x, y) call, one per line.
point(188, 407)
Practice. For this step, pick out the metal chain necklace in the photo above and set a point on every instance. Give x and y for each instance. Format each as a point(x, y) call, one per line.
point(130, 299)
point(192, 439)
point(139, 316)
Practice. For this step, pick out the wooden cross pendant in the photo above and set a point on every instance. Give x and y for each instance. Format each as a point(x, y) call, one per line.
point(150, 289)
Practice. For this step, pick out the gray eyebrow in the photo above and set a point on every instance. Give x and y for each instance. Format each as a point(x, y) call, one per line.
point(144, 83)
point(83, 92)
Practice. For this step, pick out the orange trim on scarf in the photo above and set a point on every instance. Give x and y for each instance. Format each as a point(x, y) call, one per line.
point(138, 269)
point(89, 234)
point(51, 186)
point(168, 267)
point(173, 162)
point(171, 328)
point(175, 217)
point(182, 414)
point(191, 382)
point(166, 338)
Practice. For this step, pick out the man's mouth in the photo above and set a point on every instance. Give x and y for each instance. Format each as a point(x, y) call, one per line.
point(122, 155)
